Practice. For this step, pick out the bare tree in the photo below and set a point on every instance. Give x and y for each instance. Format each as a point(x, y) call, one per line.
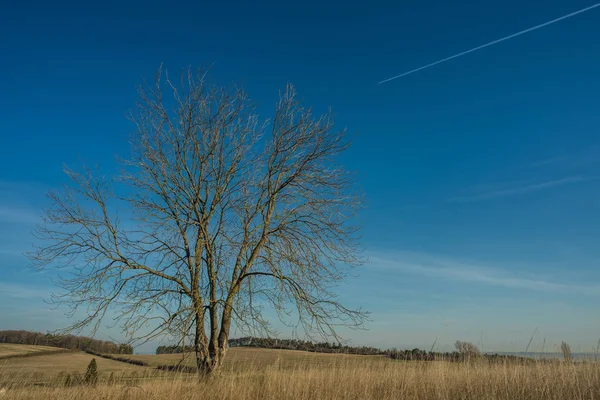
point(467, 349)
point(216, 214)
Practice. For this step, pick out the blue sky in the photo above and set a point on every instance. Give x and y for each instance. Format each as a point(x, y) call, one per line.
point(482, 174)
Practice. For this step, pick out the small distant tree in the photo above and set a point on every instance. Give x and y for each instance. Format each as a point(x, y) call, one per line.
point(566, 351)
point(91, 375)
point(467, 350)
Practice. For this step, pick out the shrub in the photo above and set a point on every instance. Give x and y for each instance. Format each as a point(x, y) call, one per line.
point(91, 375)
point(467, 350)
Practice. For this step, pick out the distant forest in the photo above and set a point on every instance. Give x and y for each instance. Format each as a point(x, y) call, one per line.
point(295, 344)
point(324, 347)
point(287, 344)
point(65, 341)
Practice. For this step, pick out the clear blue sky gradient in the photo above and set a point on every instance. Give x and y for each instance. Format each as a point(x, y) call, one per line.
point(482, 174)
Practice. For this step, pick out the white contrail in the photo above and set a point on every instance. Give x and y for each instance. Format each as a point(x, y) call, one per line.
point(492, 43)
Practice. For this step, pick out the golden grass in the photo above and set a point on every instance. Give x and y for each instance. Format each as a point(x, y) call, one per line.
point(9, 349)
point(51, 368)
point(272, 375)
point(238, 359)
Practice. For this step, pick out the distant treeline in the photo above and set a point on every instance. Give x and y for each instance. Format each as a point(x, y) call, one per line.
point(296, 344)
point(173, 349)
point(422, 355)
point(287, 344)
point(65, 341)
point(408, 355)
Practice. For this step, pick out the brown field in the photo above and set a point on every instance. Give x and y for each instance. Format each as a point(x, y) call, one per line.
point(242, 359)
point(281, 374)
point(7, 349)
point(51, 368)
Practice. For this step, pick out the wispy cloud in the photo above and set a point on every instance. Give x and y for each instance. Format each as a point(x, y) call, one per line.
point(21, 202)
point(11, 251)
point(551, 161)
point(512, 191)
point(18, 215)
point(583, 159)
point(20, 291)
point(448, 269)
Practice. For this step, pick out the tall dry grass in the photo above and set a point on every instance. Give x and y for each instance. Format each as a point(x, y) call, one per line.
point(352, 380)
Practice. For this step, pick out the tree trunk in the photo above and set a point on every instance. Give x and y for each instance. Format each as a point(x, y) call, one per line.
point(209, 351)
point(200, 348)
point(209, 364)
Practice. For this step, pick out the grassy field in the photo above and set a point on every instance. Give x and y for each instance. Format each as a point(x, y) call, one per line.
point(51, 368)
point(244, 359)
point(281, 374)
point(10, 350)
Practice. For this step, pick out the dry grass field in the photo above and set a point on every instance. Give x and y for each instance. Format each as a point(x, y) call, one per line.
point(9, 350)
point(281, 374)
point(51, 368)
point(243, 359)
